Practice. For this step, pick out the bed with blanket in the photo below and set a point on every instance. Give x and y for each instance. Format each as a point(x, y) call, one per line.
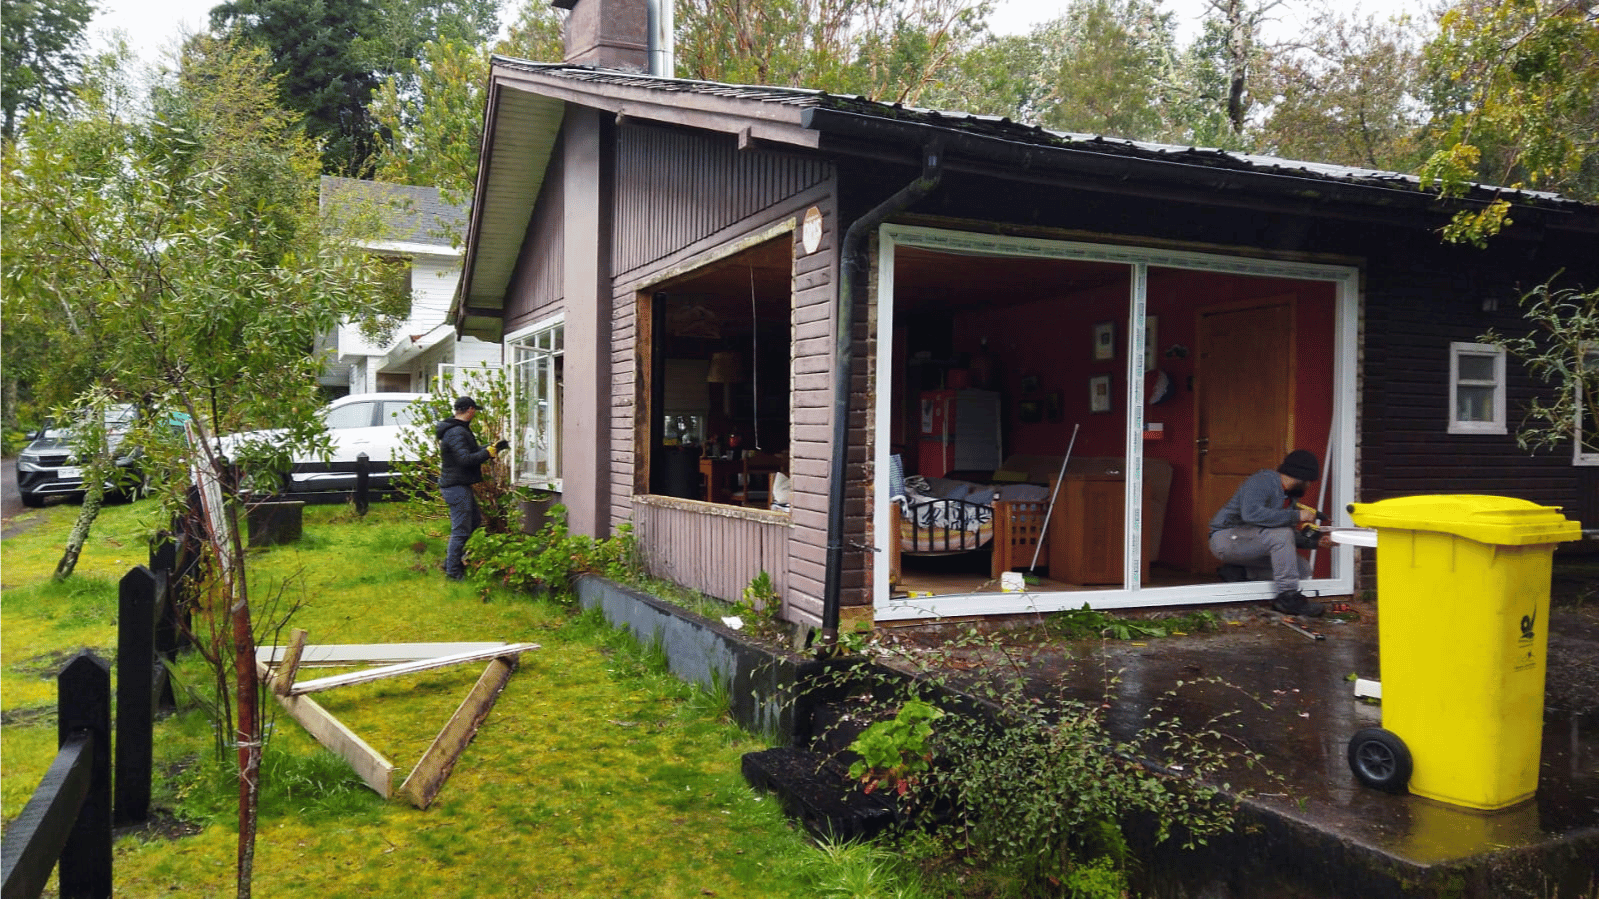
point(943, 516)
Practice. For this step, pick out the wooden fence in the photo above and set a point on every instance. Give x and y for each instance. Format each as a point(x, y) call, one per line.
point(68, 821)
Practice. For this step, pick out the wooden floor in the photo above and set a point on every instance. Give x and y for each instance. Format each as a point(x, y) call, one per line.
point(969, 573)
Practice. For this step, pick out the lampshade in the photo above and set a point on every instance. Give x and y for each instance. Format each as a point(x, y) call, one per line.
point(726, 368)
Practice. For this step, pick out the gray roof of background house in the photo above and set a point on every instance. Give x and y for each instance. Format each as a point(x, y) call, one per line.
point(409, 214)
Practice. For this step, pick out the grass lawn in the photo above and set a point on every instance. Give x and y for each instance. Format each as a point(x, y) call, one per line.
point(595, 774)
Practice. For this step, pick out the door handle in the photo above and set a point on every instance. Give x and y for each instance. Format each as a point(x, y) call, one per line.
point(1203, 443)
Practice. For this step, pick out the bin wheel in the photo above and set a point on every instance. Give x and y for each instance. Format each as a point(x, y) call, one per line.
point(1380, 760)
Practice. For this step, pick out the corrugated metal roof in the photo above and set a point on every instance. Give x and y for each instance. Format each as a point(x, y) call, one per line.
point(999, 127)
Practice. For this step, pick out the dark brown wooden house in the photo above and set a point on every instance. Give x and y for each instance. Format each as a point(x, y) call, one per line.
point(831, 289)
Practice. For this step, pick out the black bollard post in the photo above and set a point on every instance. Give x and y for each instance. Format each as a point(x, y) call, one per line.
point(363, 464)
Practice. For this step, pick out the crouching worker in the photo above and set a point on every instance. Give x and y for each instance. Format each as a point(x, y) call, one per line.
point(1253, 534)
point(460, 466)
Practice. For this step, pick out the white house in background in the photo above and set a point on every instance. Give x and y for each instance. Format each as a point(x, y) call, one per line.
point(417, 227)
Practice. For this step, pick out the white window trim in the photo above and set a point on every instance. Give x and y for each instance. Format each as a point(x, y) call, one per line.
point(511, 342)
point(1341, 465)
point(1590, 356)
point(1497, 424)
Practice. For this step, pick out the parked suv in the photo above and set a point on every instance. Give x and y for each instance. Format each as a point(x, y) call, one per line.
point(361, 423)
point(49, 467)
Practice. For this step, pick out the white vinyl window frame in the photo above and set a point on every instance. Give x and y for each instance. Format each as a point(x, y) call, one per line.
point(535, 355)
point(1340, 465)
point(1583, 431)
point(1476, 389)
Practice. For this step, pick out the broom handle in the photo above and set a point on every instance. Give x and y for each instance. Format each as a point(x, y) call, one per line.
point(1050, 513)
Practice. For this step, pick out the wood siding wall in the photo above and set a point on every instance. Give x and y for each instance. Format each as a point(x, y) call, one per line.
point(1415, 307)
point(680, 198)
point(538, 284)
point(676, 188)
point(715, 550)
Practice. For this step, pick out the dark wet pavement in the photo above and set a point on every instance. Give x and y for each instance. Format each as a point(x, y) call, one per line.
point(1291, 700)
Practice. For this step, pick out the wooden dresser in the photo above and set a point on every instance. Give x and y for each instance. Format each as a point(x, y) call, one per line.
point(1085, 531)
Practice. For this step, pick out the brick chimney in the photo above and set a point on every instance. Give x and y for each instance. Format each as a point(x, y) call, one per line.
point(610, 34)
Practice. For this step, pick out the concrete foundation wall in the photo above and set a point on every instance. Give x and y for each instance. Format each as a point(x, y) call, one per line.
point(704, 652)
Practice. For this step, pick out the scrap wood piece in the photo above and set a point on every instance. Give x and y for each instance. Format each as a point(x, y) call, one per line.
point(329, 655)
point(377, 771)
point(428, 777)
point(412, 667)
point(284, 679)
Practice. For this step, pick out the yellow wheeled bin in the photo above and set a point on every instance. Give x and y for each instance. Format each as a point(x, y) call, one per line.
point(1462, 630)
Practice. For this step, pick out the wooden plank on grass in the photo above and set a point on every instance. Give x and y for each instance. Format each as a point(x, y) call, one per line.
point(429, 775)
point(373, 768)
point(387, 671)
point(343, 654)
point(291, 663)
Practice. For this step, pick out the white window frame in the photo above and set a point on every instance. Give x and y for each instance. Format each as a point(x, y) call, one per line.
point(1340, 466)
point(1579, 456)
point(540, 345)
point(1496, 425)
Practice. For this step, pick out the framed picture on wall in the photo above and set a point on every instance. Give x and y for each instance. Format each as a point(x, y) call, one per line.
point(1099, 393)
point(1104, 341)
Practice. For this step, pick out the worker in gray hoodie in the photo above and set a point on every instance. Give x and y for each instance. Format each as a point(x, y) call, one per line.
point(460, 466)
point(1253, 534)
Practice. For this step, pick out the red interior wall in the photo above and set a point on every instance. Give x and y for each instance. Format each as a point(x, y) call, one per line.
point(1050, 340)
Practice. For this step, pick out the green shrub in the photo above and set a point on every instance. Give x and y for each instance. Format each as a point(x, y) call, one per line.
point(895, 753)
point(551, 560)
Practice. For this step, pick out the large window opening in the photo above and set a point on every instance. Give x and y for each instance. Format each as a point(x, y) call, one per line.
point(1062, 420)
point(718, 354)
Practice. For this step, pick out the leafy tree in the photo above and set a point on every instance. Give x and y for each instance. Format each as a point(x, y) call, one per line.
point(40, 43)
point(1232, 29)
point(1512, 86)
point(1108, 66)
point(892, 50)
point(1562, 350)
point(433, 107)
point(1347, 94)
point(186, 269)
point(320, 66)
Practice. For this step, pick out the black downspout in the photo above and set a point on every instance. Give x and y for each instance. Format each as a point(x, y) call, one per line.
point(853, 260)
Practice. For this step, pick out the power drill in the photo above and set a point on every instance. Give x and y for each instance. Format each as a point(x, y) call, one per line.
point(1308, 534)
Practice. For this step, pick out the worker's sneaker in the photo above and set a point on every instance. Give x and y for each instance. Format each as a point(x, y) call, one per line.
point(1292, 602)
point(1232, 574)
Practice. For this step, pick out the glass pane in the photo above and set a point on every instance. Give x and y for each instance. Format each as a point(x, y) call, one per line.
point(1477, 368)
point(1474, 404)
point(355, 415)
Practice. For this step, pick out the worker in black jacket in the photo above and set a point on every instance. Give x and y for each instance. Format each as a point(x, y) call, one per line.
point(460, 466)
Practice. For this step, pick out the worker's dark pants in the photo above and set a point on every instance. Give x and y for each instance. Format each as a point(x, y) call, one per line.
point(1264, 553)
point(464, 519)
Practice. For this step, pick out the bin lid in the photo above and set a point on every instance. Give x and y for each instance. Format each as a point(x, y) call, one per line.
point(1500, 520)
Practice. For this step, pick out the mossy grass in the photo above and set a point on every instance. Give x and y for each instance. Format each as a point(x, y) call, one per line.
point(596, 774)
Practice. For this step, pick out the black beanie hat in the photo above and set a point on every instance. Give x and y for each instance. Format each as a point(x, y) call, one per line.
point(1300, 465)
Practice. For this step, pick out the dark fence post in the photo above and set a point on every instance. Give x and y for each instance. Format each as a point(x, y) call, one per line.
point(363, 465)
point(136, 683)
point(84, 709)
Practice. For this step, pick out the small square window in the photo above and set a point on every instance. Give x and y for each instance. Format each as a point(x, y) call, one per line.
point(1476, 389)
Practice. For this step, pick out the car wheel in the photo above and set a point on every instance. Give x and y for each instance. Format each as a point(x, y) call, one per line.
point(33, 500)
point(1380, 759)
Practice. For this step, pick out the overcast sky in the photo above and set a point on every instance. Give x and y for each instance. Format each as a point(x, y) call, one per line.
point(154, 25)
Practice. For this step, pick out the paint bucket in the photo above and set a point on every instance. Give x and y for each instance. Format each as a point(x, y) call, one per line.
point(1012, 582)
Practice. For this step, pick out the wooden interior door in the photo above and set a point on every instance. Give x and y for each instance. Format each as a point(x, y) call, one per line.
point(1244, 402)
